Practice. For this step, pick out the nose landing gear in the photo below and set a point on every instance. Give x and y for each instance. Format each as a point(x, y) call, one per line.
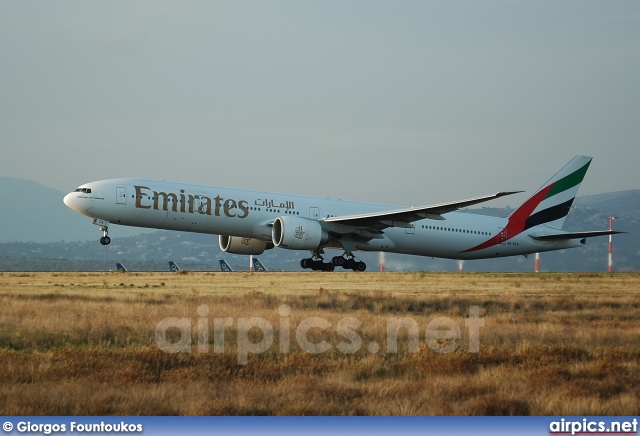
point(104, 227)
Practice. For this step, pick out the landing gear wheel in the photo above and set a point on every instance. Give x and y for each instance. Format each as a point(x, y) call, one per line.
point(318, 265)
point(338, 260)
point(316, 262)
point(349, 261)
point(349, 264)
point(104, 228)
point(328, 267)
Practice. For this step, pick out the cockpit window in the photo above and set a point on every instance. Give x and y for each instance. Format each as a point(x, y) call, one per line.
point(83, 190)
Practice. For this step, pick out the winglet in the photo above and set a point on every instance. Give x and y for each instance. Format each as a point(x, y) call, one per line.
point(505, 193)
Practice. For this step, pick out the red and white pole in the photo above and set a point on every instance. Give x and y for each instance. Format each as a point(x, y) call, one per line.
point(381, 259)
point(536, 264)
point(251, 263)
point(460, 264)
point(610, 263)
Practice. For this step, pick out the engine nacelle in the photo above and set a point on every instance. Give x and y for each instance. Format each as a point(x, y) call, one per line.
point(238, 245)
point(297, 233)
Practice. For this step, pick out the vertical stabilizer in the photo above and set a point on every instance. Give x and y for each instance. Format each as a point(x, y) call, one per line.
point(552, 202)
point(224, 266)
point(549, 205)
point(258, 266)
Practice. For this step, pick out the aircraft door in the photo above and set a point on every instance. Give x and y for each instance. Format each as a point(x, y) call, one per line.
point(314, 212)
point(410, 230)
point(121, 195)
point(502, 235)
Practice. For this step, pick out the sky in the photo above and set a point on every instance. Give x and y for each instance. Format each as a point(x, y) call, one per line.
point(408, 103)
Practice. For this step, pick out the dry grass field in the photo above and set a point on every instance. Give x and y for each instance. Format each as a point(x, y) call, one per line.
point(551, 344)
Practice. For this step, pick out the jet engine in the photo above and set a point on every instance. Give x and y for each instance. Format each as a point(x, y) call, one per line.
point(238, 245)
point(297, 233)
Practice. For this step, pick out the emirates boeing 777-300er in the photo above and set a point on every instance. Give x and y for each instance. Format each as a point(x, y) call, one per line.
point(249, 222)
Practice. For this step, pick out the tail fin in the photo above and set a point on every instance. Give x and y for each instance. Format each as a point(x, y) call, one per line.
point(258, 266)
point(552, 202)
point(173, 267)
point(121, 268)
point(224, 266)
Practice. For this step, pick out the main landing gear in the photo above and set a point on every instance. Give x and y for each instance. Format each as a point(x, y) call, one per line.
point(346, 261)
point(316, 262)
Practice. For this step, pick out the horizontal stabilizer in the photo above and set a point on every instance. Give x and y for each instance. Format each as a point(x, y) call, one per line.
point(573, 235)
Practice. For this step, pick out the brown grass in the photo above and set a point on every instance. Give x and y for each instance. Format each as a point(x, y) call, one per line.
point(84, 344)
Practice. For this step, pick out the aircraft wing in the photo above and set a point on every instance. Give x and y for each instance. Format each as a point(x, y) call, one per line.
point(403, 217)
point(574, 235)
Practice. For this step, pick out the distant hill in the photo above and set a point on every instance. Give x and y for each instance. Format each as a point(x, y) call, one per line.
point(623, 203)
point(32, 212)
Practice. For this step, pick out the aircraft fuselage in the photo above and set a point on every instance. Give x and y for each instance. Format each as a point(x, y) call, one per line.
point(251, 214)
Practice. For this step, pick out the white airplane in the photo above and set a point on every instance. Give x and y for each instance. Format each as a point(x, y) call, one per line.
point(249, 222)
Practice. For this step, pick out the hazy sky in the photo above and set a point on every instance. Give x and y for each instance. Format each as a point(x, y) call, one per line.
point(403, 102)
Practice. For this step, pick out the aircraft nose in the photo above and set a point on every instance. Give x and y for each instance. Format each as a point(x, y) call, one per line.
point(68, 200)
point(72, 202)
point(78, 202)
